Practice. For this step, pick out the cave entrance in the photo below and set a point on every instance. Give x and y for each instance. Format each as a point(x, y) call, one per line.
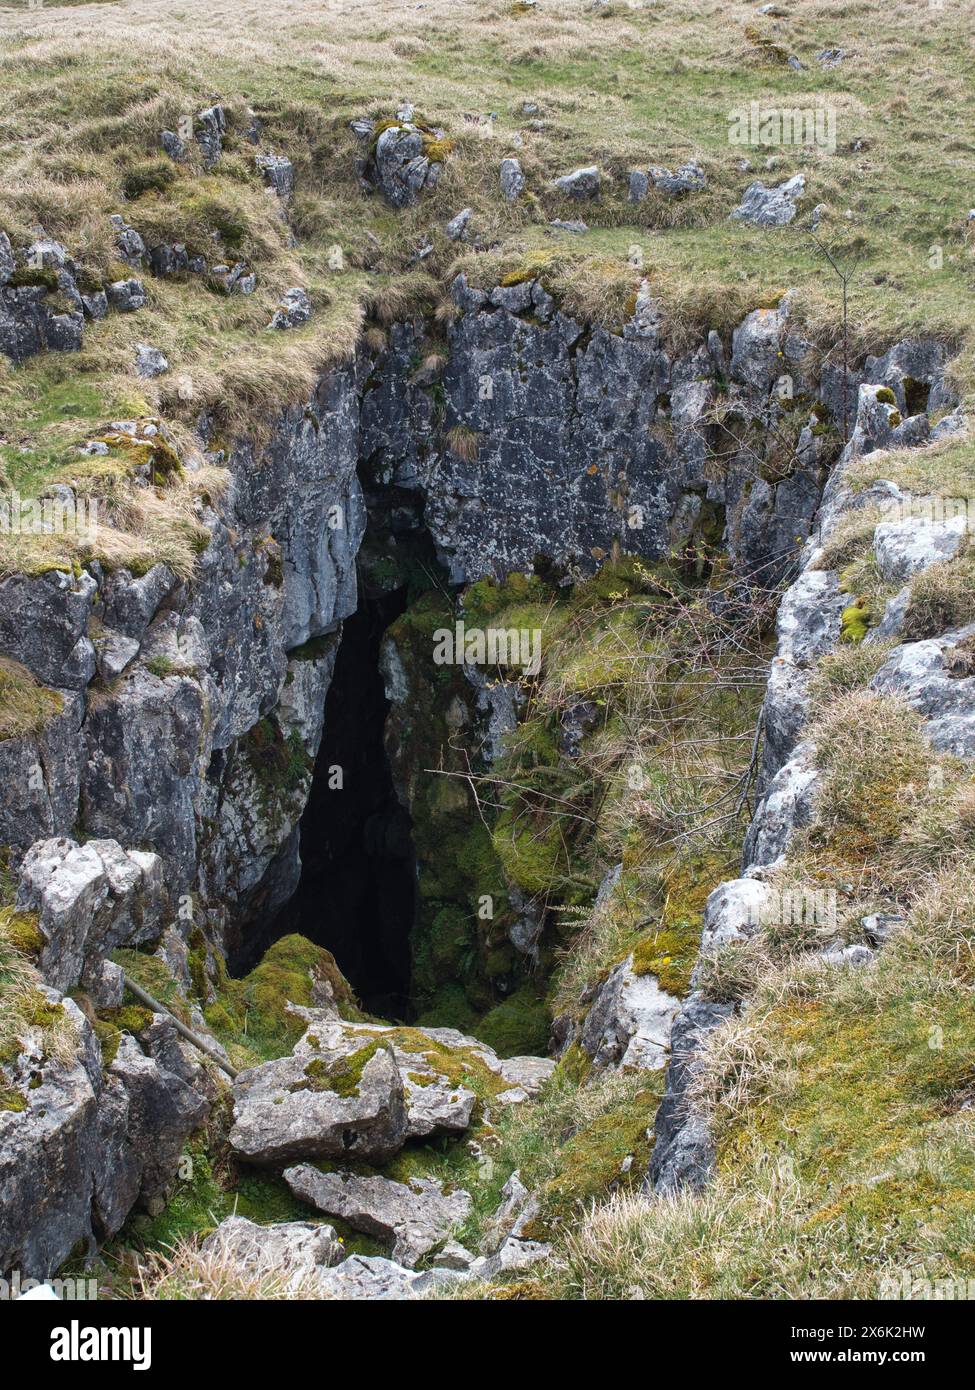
point(357, 891)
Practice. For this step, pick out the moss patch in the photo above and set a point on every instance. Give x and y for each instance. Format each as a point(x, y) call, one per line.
point(517, 1026)
point(343, 1077)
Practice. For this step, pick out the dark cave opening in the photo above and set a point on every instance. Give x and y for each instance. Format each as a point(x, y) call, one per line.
point(357, 889)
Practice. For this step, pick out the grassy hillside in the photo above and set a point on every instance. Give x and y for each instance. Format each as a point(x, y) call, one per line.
point(618, 85)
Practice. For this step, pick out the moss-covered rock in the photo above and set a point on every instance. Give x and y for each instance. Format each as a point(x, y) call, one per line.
point(250, 1015)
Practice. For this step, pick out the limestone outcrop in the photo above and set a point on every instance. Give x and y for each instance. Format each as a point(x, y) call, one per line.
point(904, 542)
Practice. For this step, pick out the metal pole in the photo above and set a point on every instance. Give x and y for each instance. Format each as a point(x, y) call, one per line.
point(187, 1033)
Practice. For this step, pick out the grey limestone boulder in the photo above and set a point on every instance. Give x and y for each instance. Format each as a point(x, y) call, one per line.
point(512, 180)
point(688, 178)
point(90, 898)
point(402, 170)
point(580, 184)
point(770, 207)
point(278, 172)
point(293, 311)
point(629, 1023)
point(413, 1219)
point(285, 1110)
point(210, 126)
point(149, 361)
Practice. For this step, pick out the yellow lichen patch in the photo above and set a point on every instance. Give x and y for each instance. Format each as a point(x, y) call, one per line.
point(856, 621)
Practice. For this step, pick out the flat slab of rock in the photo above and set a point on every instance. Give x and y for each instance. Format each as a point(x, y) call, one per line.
point(513, 1255)
point(413, 1219)
point(371, 1277)
point(527, 1073)
point(293, 1109)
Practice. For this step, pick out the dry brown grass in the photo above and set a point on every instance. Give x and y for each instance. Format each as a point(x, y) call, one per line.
point(25, 705)
point(186, 1272)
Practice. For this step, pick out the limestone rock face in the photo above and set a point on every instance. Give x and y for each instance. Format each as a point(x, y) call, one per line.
point(145, 761)
point(44, 626)
point(755, 348)
point(49, 1153)
point(41, 777)
point(807, 626)
point(86, 1144)
point(788, 804)
point(90, 899)
point(574, 422)
point(163, 1111)
point(414, 1219)
point(926, 675)
point(629, 1023)
point(683, 1150)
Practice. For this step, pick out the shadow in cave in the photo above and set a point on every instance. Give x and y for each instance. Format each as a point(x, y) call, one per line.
point(358, 881)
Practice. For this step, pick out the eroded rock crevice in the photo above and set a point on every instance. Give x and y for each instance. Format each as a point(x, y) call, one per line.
point(357, 887)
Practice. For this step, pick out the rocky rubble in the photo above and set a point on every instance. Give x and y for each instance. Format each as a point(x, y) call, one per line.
point(415, 1220)
point(362, 1090)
